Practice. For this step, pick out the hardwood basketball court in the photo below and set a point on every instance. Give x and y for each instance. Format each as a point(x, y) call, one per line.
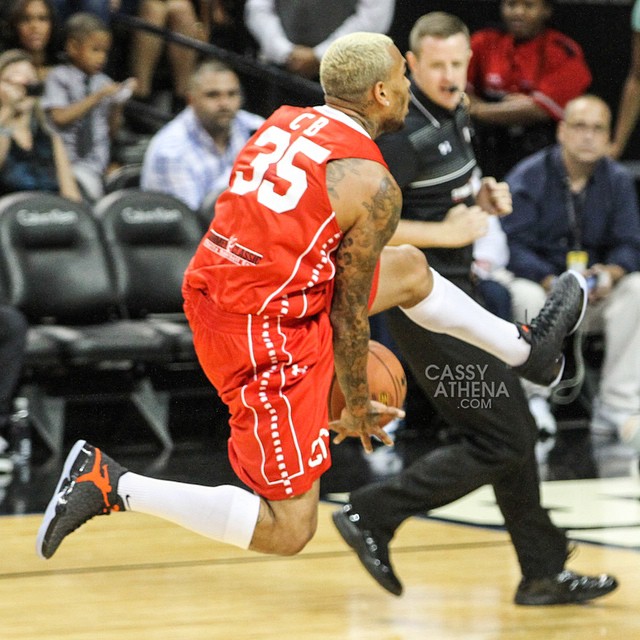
point(130, 576)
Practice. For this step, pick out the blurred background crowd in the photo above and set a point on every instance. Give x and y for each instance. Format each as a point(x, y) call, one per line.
point(160, 95)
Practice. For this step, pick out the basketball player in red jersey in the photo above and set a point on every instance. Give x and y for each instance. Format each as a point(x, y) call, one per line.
point(278, 294)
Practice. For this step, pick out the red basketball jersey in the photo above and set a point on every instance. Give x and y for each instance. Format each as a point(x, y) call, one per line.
point(270, 248)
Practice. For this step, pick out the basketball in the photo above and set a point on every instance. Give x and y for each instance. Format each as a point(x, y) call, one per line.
point(387, 382)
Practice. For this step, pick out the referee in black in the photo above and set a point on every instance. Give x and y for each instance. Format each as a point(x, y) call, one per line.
point(446, 206)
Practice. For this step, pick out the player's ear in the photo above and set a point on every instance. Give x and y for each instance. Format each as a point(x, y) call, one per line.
point(380, 94)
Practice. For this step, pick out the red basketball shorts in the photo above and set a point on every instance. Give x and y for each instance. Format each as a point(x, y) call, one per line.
point(274, 376)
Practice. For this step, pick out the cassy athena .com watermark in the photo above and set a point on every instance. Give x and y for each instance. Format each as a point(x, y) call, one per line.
point(466, 383)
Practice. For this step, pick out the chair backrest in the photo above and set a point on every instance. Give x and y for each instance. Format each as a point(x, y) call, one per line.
point(150, 237)
point(54, 261)
point(125, 177)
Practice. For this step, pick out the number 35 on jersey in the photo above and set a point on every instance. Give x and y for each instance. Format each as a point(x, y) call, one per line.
point(281, 149)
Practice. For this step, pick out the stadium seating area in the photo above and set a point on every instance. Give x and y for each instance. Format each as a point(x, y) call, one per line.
point(100, 286)
point(101, 289)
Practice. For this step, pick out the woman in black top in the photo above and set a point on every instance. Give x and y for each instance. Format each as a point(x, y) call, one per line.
point(32, 156)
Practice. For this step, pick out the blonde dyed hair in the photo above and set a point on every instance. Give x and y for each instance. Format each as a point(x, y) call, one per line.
point(354, 63)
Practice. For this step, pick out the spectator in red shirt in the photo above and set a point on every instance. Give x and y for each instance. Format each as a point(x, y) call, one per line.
point(520, 77)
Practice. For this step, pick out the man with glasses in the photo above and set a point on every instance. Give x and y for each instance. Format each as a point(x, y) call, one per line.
point(575, 207)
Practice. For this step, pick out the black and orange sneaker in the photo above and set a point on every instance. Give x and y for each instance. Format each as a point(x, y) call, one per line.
point(561, 315)
point(86, 488)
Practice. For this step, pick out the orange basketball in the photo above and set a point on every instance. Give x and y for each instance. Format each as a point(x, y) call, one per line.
point(387, 382)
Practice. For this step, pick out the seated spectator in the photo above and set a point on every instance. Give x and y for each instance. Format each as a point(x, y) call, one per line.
point(84, 104)
point(490, 259)
point(31, 25)
point(573, 206)
point(32, 157)
point(224, 22)
point(193, 154)
point(520, 78)
point(296, 33)
point(629, 107)
point(146, 48)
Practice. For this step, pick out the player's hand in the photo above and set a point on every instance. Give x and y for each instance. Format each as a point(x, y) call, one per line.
point(367, 426)
point(494, 197)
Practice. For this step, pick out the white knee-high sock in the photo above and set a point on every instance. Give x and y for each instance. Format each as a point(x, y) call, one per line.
point(447, 309)
point(224, 513)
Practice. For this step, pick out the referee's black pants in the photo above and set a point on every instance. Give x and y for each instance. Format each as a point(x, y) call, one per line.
point(483, 400)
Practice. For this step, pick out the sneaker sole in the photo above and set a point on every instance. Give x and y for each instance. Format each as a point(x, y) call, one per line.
point(557, 379)
point(549, 600)
point(50, 511)
point(585, 298)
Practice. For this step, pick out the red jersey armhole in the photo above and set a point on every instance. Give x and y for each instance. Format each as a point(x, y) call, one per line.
point(374, 285)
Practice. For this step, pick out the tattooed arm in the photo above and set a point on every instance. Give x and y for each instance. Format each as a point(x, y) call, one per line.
point(367, 202)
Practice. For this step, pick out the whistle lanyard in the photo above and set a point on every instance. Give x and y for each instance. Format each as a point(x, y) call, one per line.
point(574, 205)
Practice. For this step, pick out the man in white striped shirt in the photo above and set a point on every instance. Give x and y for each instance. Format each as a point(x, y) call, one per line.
point(192, 155)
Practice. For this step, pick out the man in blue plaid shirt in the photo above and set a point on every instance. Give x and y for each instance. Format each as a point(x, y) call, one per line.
point(192, 155)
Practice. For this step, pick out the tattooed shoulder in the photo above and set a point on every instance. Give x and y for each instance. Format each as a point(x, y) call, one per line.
point(340, 171)
point(386, 201)
point(356, 175)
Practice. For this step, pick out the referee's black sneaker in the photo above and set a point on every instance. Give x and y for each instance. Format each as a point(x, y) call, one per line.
point(566, 587)
point(372, 549)
point(561, 315)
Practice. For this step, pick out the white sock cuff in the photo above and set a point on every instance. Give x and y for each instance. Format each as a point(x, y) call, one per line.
point(448, 309)
point(224, 513)
point(426, 313)
point(243, 515)
point(437, 280)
